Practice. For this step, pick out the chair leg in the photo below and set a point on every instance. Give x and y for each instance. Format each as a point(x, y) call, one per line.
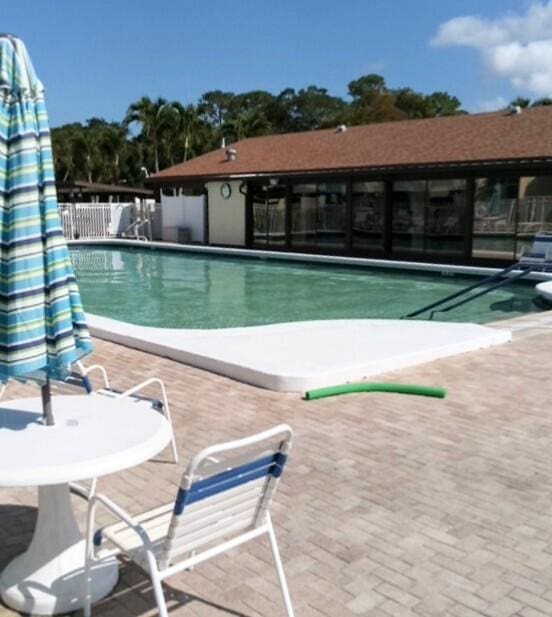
point(157, 585)
point(279, 569)
point(88, 560)
point(167, 413)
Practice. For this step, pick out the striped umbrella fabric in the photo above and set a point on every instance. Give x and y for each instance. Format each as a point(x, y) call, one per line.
point(42, 323)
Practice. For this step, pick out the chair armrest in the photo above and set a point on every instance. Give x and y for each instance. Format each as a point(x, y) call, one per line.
point(144, 384)
point(161, 406)
point(119, 513)
point(81, 491)
point(86, 370)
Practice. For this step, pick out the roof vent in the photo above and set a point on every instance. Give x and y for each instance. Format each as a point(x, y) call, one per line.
point(231, 154)
point(515, 110)
point(341, 128)
point(223, 142)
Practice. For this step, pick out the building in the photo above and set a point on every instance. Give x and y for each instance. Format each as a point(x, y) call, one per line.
point(96, 192)
point(469, 189)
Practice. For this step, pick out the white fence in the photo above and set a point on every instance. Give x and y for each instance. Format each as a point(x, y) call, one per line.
point(86, 220)
point(108, 220)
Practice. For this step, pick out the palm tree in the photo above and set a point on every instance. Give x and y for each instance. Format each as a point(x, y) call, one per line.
point(62, 144)
point(112, 145)
point(155, 118)
point(248, 123)
point(193, 134)
point(85, 154)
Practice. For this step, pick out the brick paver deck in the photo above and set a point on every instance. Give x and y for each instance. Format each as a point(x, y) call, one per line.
point(392, 505)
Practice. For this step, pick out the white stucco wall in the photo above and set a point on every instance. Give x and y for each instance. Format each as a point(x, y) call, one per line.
point(226, 216)
point(183, 211)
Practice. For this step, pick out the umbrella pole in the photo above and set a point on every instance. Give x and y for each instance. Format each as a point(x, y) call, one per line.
point(47, 403)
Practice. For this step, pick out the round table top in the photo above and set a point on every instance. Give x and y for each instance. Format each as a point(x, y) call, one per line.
point(93, 435)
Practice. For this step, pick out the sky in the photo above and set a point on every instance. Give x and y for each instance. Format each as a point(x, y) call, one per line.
point(95, 57)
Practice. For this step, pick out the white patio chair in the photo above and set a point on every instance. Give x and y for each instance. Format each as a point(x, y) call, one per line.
point(80, 380)
point(223, 501)
point(161, 405)
point(540, 253)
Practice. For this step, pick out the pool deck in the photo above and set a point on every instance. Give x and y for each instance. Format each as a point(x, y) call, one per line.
point(393, 506)
point(294, 357)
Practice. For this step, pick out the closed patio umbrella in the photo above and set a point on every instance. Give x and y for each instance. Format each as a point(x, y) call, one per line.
point(42, 324)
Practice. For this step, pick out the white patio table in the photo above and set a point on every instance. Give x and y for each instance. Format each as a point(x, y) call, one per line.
point(92, 436)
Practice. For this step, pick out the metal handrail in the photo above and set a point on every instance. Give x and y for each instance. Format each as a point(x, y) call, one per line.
point(490, 279)
point(500, 283)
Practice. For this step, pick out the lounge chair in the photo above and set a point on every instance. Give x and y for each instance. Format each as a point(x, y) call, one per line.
point(223, 501)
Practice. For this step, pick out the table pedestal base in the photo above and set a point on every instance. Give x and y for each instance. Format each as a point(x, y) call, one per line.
point(48, 578)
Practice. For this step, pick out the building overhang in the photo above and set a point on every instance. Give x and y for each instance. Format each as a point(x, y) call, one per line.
point(536, 165)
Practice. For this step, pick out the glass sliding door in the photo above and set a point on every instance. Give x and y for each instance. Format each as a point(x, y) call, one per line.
point(368, 205)
point(303, 215)
point(534, 210)
point(408, 216)
point(330, 227)
point(276, 217)
point(269, 216)
point(446, 205)
point(428, 217)
point(318, 216)
point(259, 219)
point(494, 218)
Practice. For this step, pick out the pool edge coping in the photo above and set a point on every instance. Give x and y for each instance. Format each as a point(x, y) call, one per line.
point(180, 348)
point(306, 257)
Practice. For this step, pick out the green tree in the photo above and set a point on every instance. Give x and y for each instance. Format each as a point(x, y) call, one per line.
point(367, 87)
point(412, 104)
point(279, 111)
point(443, 104)
point(313, 108)
point(192, 135)
point(372, 101)
point(214, 107)
point(155, 118)
point(63, 144)
point(173, 132)
point(520, 102)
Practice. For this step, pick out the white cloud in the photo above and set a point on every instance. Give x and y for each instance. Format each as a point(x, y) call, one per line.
point(514, 47)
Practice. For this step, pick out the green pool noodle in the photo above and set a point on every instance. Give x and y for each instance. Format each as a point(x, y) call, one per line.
point(397, 388)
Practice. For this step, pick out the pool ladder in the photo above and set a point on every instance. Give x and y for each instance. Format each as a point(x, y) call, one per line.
point(483, 287)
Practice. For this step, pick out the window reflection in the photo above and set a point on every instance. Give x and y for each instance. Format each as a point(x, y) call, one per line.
point(494, 218)
point(446, 203)
point(368, 215)
point(428, 216)
point(303, 215)
point(534, 210)
point(408, 212)
point(318, 215)
point(269, 215)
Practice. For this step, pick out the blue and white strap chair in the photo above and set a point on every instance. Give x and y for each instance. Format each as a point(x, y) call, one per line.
point(540, 254)
point(161, 405)
point(223, 501)
point(79, 380)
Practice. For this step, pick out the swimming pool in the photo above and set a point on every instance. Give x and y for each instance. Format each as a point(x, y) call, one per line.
point(173, 289)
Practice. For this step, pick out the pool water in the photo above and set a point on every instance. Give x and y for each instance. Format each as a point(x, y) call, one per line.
point(181, 290)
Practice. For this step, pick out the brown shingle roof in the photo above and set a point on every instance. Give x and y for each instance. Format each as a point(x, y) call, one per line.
point(460, 139)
